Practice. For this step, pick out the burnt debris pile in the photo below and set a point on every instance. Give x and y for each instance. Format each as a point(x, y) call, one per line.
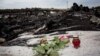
point(38, 21)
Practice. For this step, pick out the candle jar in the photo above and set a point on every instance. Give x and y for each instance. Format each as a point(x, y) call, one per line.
point(76, 42)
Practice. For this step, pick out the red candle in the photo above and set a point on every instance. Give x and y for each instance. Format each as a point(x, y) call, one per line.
point(76, 42)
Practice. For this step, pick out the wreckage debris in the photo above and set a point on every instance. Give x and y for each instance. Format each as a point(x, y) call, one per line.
point(16, 21)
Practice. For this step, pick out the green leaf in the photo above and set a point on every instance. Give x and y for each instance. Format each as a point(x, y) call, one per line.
point(39, 54)
point(40, 50)
point(54, 53)
point(46, 47)
point(61, 44)
point(55, 38)
point(42, 45)
point(52, 44)
point(56, 47)
point(49, 51)
point(66, 41)
point(57, 41)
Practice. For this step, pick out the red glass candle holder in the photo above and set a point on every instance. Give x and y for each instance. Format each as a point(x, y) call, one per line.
point(76, 42)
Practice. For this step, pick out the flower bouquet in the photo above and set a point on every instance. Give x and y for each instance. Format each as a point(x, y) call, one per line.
point(50, 48)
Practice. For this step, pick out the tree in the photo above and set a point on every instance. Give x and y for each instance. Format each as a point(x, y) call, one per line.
point(86, 9)
point(75, 7)
point(96, 13)
point(81, 7)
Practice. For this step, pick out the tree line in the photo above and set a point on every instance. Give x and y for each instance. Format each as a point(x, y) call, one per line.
point(77, 7)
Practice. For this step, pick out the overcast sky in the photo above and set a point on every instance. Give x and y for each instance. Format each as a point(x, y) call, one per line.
point(11, 4)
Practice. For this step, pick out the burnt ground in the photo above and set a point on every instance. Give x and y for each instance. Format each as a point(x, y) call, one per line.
point(15, 22)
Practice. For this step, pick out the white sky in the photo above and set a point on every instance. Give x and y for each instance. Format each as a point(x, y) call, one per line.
point(6, 4)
